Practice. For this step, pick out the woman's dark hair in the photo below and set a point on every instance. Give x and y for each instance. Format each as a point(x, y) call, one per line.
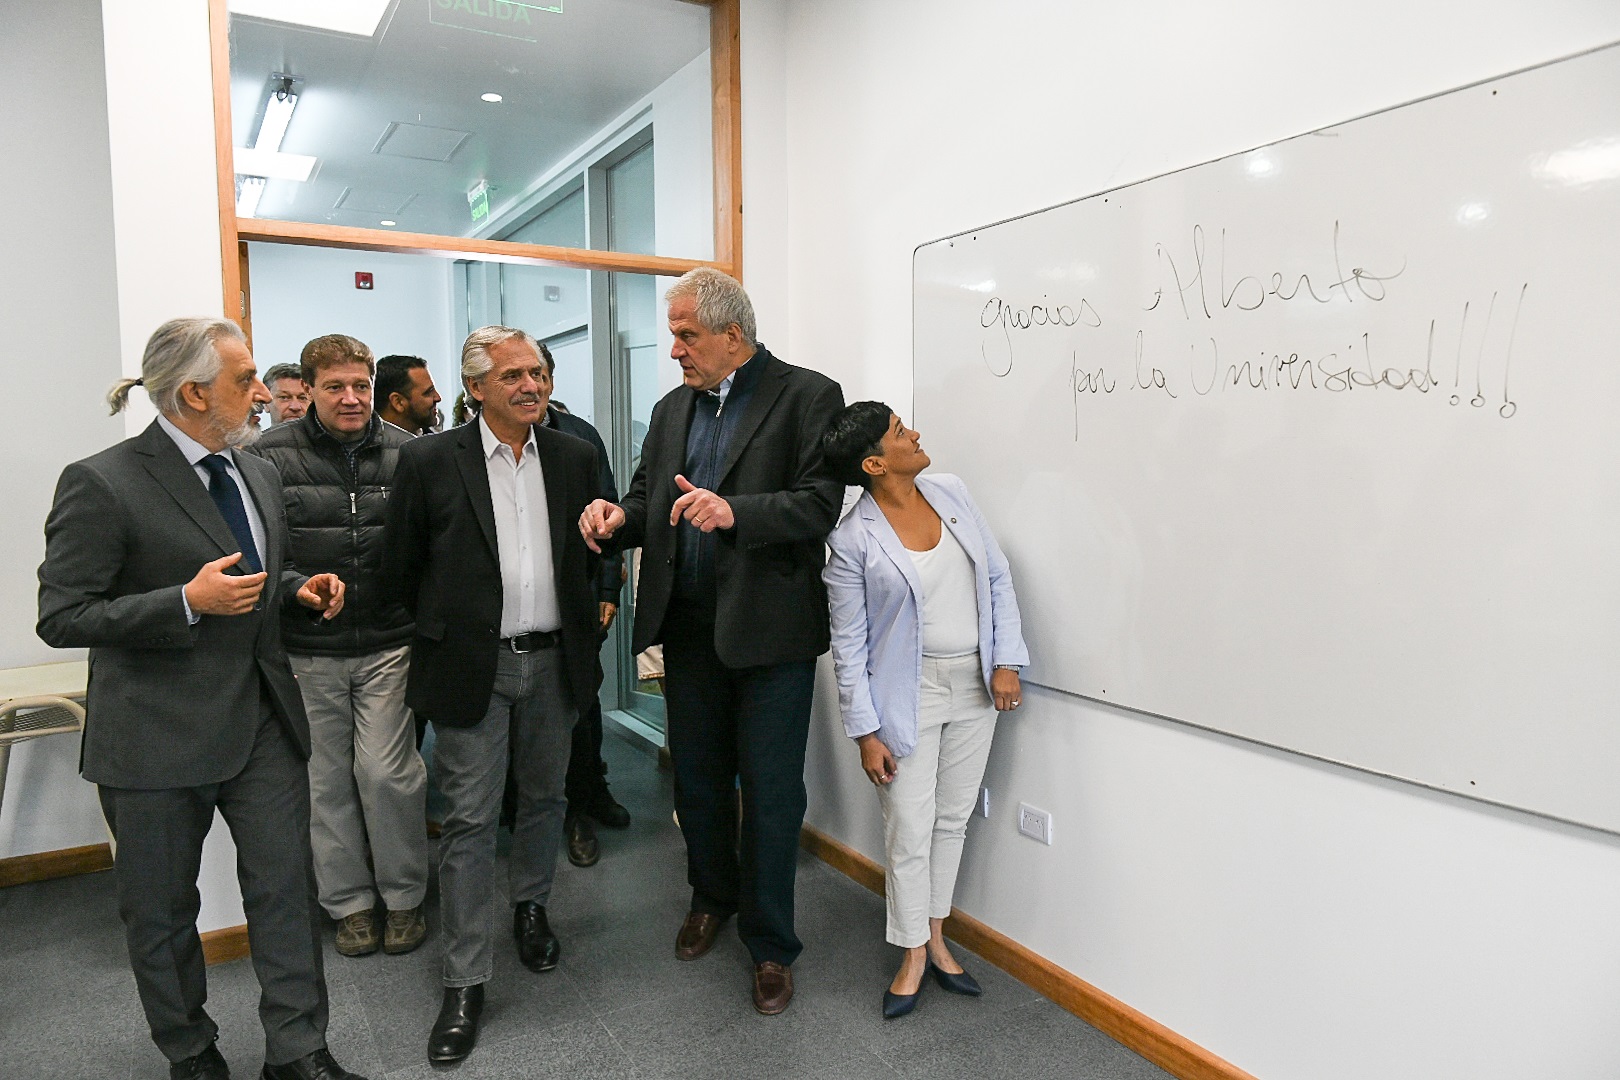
point(853, 436)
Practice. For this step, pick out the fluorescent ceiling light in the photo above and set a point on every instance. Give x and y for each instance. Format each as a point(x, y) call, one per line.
point(490, 97)
point(273, 164)
point(248, 195)
point(388, 221)
point(278, 111)
point(359, 17)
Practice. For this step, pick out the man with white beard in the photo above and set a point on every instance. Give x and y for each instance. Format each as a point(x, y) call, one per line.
point(164, 557)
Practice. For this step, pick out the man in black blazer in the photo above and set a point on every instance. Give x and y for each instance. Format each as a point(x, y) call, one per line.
point(732, 514)
point(481, 548)
point(164, 556)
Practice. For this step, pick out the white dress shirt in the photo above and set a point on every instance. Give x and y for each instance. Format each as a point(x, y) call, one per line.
point(523, 535)
point(194, 452)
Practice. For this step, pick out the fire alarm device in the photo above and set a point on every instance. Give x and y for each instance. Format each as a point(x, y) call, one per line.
point(362, 280)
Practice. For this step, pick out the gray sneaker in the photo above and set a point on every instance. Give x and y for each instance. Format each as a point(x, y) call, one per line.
point(357, 934)
point(404, 931)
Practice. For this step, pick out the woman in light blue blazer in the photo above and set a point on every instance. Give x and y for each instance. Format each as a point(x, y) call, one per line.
point(927, 647)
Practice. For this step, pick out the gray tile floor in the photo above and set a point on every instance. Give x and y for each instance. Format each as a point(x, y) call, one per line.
point(620, 1004)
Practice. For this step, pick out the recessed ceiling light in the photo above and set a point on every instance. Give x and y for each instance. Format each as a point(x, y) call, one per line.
point(389, 221)
point(491, 97)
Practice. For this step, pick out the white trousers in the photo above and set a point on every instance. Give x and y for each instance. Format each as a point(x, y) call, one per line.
point(927, 804)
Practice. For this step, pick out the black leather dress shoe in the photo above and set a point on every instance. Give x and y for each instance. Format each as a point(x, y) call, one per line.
point(580, 835)
point(537, 946)
point(607, 811)
point(456, 1029)
point(316, 1066)
point(207, 1065)
point(958, 983)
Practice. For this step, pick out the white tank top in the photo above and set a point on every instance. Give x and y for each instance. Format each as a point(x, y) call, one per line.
point(950, 600)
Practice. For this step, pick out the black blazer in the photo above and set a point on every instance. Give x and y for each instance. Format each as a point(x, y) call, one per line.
point(441, 561)
point(169, 704)
point(771, 606)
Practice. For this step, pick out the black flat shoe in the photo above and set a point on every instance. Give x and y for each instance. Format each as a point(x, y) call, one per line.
point(456, 1029)
point(956, 984)
point(537, 946)
point(897, 1005)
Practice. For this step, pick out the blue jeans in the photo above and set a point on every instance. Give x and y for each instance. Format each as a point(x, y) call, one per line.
point(725, 724)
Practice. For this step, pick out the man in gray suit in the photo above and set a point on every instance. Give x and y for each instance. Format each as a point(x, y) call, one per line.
point(163, 556)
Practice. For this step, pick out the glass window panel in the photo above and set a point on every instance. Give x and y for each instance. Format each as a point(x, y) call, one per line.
point(561, 225)
point(641, 366)
point(553, 303)
point(394, 127)
point(631, 204)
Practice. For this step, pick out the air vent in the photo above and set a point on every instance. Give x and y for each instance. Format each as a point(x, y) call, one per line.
point(386, 203)
point(420, 142)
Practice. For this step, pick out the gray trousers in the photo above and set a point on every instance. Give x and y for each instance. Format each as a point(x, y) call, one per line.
point(530, 716)
point(160, 840)
point(367, 783)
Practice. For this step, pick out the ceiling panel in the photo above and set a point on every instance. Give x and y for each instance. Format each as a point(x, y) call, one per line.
point(400, 111)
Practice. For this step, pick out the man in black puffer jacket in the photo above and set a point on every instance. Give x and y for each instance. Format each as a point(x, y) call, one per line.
point(368, 785)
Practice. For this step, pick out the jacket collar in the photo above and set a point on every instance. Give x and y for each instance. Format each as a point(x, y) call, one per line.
point(317, 430)
point(167, 464)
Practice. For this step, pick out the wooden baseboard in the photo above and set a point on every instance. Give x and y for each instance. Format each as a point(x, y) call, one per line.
point(45, 865)
point(225, 944)
point(1171, 1052)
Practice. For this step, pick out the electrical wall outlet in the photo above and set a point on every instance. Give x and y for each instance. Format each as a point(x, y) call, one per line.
point(1035, 824)
point(984, 802)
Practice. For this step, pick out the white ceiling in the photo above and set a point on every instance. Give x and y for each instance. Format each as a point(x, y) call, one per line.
point(396, 123)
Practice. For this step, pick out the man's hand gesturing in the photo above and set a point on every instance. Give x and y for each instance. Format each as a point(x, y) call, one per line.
point(323, 593)
point(600, 521)
point(702, 507)
point(214, 592)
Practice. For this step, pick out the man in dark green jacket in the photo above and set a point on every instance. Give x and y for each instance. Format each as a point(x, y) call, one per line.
point(368, 785)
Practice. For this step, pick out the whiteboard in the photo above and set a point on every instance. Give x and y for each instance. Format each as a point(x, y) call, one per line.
point(1317, 444)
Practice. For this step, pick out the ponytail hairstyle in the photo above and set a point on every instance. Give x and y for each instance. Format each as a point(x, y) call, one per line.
point(180, 351)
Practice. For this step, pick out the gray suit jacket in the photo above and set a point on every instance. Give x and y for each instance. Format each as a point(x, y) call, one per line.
point(170, 704)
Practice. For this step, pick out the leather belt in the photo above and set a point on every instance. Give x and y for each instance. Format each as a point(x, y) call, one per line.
point(533, 641)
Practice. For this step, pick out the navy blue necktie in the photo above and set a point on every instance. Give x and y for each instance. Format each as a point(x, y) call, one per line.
point(228, 497)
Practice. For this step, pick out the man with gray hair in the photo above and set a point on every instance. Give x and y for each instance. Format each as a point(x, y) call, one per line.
point(732, 513)
point(289, 394)
point(164, 556)
point(481, 548)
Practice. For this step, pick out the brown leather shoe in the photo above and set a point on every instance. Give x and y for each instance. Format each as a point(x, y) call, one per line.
point(357, 934)
point(697, 935)
point(773, 987)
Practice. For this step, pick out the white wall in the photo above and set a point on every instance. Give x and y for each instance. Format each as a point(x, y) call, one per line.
point(59, 340)
point(300, 293)
point(157, 226)
point(1303, 921)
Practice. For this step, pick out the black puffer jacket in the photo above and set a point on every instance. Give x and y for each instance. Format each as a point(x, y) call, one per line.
point(335, 511)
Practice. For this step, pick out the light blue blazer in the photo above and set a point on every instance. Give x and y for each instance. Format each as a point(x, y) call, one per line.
point(875, 598)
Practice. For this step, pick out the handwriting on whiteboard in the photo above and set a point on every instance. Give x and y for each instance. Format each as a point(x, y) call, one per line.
point(1188, 340)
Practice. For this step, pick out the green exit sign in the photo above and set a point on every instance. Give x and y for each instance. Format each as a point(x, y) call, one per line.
point(501, 18)
point(478, 202)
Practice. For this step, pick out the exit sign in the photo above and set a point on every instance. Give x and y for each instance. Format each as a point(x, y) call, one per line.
point(478, 202)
